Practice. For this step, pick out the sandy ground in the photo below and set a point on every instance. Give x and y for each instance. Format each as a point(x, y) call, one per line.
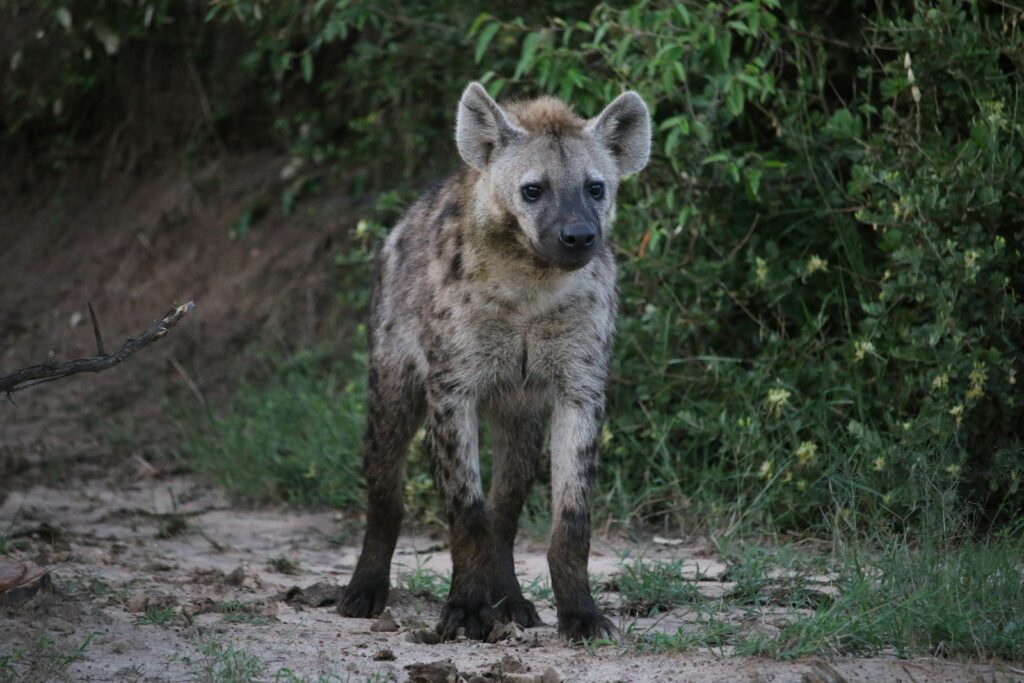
point(120, 548)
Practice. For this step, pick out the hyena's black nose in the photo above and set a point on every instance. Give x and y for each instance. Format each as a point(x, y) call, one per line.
point(577, 238)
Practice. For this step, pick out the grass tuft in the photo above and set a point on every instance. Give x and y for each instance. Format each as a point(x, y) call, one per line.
point(648, 588)
point(293, 438)
point(425, 583)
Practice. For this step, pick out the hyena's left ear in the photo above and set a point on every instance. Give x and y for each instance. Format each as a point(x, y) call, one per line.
point(624, 127)
point(481, 127)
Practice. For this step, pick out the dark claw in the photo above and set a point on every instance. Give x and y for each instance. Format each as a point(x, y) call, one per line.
point(475, 616)
point(362, 601)
point(578, 627)
point(519, 610)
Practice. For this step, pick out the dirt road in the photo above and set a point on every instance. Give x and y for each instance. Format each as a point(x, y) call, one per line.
point(158, 578)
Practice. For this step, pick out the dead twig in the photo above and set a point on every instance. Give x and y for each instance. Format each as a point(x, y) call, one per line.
point(96, 331)
point(50, 370)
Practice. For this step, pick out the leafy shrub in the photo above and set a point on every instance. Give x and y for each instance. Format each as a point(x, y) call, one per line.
point(821, 265)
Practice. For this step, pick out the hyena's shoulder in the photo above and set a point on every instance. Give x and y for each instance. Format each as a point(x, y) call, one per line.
point(419, 253)
point(428, 228)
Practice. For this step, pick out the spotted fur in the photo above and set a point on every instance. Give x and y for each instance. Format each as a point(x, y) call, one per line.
point(482, 310)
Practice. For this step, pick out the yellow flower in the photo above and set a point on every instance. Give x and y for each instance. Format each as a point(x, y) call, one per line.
point(606, 434)
point(762, 270)
point(777, 400)
point(816, 264)
point(879, 464)
point(940, 382)
point(957, 411)
point(806, 453)
point(862, 348)
point(766, 469)
point(954, 470)
point(978, 376)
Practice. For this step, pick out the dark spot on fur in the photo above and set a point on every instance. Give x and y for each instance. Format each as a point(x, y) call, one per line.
point(451, 212)
point(455, 269)
point(524, 358)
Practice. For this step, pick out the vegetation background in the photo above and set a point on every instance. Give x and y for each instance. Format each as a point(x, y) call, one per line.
point(821, 269)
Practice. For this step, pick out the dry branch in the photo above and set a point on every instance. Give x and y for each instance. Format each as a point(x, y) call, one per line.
point(49, 371)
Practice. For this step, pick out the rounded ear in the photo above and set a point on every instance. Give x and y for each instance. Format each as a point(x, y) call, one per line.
point(481, 127)
point(624, 128)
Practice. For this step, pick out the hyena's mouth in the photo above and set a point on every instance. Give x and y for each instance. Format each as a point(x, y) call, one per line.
point(546, 261)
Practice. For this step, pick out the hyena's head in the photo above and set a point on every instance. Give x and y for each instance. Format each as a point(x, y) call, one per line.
point(555, 173)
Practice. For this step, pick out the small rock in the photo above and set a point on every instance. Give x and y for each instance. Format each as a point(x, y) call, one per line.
point(20, 582)
point(138, 602)
point(507, 665)
point(551, 675)
point(317, 595)
point(520, 678)
point(88, 555)
point(432, 672)
point(199, 606)
point(423, 636)
point(384, 656)
point(236, 577)
point(385, 623)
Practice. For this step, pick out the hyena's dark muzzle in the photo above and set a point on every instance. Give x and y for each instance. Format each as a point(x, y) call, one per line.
point(571, 234)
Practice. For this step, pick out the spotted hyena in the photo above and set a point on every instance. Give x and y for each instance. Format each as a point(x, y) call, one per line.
point(495, 299)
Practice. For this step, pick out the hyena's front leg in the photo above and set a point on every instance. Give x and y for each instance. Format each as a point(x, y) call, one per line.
point(575, 436)
point(394, 413)
point(452, 440)
point(518, 437)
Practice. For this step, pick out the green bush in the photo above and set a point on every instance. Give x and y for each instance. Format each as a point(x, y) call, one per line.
point(821, 265)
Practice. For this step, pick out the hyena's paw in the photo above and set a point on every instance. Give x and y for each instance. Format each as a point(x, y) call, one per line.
point(363, 600)
point(519, 610)
point(474, 614)
point(587, 626)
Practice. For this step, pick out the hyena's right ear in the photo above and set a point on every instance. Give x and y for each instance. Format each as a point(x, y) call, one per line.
point(481, 127)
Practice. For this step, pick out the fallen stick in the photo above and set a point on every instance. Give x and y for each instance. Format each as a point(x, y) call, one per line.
point(50, 370)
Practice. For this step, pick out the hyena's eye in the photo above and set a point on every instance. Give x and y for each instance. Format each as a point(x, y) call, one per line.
point(532, 193)
point(596, 190)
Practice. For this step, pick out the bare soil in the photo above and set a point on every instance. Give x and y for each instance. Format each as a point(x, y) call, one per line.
point(150, 566)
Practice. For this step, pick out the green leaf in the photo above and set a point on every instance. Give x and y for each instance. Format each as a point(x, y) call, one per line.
point(529, 50)
point(484, 40)
point(307, 67)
